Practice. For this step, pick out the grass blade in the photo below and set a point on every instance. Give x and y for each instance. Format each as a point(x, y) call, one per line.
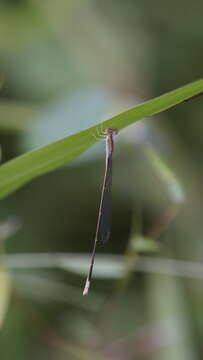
point(22, 169)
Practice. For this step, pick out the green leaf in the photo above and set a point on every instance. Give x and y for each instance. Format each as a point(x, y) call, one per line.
point(15, 117)
point(5, 291)
point(24, 168)
point(166, 175)
point(144, 244)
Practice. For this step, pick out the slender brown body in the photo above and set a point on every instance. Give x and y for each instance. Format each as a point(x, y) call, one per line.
point(103, 228)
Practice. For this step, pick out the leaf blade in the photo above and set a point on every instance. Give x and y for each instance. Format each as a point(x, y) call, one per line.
point(24, 168)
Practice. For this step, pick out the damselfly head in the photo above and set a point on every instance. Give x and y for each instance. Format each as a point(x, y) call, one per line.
point(111, 131)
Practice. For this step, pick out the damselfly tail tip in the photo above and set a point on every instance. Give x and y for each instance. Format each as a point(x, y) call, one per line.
point(86, 288)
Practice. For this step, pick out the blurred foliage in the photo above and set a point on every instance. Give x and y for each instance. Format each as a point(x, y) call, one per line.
point(64, 66)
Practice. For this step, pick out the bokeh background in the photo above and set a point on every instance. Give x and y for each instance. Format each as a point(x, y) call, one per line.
point(66, 65)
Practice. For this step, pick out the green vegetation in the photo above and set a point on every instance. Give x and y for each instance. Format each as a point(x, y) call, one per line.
point(67, 68)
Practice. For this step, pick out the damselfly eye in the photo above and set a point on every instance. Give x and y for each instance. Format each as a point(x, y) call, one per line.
point(111, 131)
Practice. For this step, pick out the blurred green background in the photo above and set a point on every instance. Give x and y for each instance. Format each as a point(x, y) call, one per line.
point(66, 65)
